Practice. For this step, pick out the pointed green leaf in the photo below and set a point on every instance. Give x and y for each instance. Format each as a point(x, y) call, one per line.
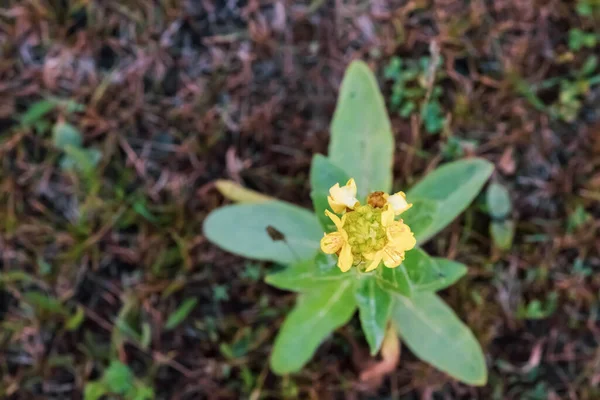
point(498, 201)
point(118, 377)
point(242, 229)
point(75, 320)
point(94, 390)
point(433, 117)
point(43, 303)
point(362, 143)
point(181, 313)
point(65, 134)
point(236, 192)
point(374, 308)
point(434, 333)
point(80, 159)
point(420, 216)
point(143, 393)
point(316, 315)
point(453, 186)
point(396, 280)
point(503, 233)
point(323, 175)
point(308, 274)
point(452, 271)
point(36, 112)
point(431, 274)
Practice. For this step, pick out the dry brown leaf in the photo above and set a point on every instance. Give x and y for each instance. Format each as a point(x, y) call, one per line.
point(390, 354)
point(507, 162)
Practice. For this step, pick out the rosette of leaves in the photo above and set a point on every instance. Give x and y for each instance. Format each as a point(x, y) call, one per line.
point(362, 147)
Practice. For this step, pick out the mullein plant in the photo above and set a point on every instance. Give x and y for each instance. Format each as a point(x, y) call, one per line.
point(361, 248)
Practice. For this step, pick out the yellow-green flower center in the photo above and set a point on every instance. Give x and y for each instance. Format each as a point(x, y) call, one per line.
point(366, 234)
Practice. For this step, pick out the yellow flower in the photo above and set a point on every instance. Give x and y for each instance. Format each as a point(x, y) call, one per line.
point(337, 242)
point(400, 240)
point(367, 234)
point(343, 197)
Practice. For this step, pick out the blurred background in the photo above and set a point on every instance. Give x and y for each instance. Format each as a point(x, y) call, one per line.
point(116, 118)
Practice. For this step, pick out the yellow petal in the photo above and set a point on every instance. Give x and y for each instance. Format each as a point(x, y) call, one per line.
point(332, 242)
point(345, 259)
point(400, 236)
point(337, 208)
point(398, 203)
point(392, 257)
point(342, 197)
point(376, 259)
point(387, 216)
point(339, 223)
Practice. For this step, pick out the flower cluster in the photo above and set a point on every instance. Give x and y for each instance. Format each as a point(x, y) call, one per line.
point(367, 234)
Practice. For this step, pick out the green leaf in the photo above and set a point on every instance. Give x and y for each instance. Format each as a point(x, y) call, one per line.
point(65, 134)
point(316, 315)
point(242, 229)
point(118, 377)
point(576, 39)
point(16, 276)
point(75, 321)
point(145, 336)
point(240, 346)
point(452, 271)
point(44, 267)
point(82, 160)
point(498, 201)
point(433, 117)
point(434, 333)
point(181, 313)
point(236, 192)
point(585, 9)
point(94, 391)
point(431, 274)
point(37, 111)
point(537, 310)
point(453, 186)
point(393, 69)
point(374, 308)
point(308, 274)
point(420, 216)
point(362, 143)
point(396, 280)
point(407, 109)
point(142, 392)
point(323, 175)
point(44, 303)
point(139, 206)
point(70, 106)
point(502, 233)
point(576, 219)
point(591, 63)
